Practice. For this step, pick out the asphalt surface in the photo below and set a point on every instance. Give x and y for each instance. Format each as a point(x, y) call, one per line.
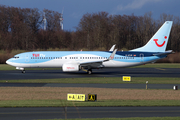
point(89, 112)
point(86, 112)
point(115, 72)
point(126, 86)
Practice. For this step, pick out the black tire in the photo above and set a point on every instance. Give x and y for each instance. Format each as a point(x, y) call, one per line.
point(89, 72)
point(23, 71)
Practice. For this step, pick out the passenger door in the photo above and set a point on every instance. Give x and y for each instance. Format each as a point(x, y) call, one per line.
point(27, 58)
point(141, 57)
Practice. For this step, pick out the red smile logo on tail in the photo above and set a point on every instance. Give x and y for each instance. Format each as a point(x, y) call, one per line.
point(159, 44)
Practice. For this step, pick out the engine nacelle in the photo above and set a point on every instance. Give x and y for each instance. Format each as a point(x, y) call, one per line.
point(70, 67)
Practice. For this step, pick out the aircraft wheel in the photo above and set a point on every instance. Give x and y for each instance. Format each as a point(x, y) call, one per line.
point(23, 71)
point(89, 72)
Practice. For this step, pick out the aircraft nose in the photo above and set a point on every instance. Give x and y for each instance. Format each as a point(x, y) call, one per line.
point(7, 61)
point(11, 62)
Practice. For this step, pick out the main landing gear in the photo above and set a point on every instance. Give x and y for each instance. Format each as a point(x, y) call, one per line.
point(23, 71)
point(89, 71)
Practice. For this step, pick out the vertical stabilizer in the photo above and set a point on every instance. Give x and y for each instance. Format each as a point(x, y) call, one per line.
point(159, 41)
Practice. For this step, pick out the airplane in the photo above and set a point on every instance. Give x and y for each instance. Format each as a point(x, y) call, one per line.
point(74, 61)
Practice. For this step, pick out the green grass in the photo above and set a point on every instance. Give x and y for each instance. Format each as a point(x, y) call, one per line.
point(61, 103)
point(105, 80)
point(8, 67)
point(132, 118)
point(159, 65)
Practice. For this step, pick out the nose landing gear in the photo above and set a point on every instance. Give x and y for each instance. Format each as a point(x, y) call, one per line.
point(22, 69)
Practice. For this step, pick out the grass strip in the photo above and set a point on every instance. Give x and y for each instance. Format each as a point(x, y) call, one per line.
point(104, 80)
point(105, 103)
point(8, 67)
point(132, 118)
point(159, 65)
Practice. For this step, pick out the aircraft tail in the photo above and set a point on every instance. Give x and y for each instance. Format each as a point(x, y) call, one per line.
point(159, 41)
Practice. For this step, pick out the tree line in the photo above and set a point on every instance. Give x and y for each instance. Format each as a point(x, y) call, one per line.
point(21, 29)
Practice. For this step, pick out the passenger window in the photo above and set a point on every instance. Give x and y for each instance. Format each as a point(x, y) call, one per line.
point(16, 57)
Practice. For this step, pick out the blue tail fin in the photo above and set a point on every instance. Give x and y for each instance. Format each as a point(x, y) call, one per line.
point(159, 41)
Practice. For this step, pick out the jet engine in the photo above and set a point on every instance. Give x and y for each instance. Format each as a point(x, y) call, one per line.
point(70, 67)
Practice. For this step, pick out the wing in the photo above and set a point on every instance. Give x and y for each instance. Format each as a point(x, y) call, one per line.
point(97, 63)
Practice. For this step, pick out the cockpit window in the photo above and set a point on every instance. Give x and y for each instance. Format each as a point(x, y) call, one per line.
point(16, 57)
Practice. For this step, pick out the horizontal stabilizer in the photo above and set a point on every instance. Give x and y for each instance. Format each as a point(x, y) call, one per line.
point(164, 53)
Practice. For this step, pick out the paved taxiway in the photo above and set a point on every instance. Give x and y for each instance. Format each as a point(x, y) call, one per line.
point(87, 112)
point(131, 86)
point(117, 72)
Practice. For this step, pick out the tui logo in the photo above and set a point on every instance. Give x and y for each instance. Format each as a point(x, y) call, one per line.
point(160, 45)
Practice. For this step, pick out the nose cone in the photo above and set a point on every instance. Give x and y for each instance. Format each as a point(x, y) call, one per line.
point(7, 61)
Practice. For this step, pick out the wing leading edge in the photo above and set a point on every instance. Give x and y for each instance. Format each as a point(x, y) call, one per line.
point(97, 64)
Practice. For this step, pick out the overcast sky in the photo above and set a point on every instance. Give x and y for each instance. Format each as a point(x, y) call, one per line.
point(75, 9)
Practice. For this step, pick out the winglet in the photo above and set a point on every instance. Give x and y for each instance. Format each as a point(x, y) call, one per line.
point(112, 48)
point(112, 55)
